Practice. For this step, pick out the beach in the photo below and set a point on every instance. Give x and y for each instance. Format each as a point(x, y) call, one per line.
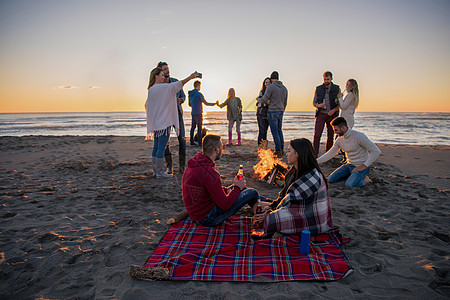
point(76, 211)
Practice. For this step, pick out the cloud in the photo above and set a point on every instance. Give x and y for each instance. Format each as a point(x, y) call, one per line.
point(162, 14)
point(70, 87)
point(66, 87)
point(166, 12)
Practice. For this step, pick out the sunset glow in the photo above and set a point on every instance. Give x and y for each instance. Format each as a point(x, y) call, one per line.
point(82, 56)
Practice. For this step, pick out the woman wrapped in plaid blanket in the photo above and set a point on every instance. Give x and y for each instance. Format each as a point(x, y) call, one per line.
point(304, 202)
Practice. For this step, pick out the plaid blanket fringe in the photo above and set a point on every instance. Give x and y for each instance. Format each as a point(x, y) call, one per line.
point(227, 253)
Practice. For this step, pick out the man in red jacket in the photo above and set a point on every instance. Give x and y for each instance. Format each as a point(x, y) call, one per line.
point(206, 200)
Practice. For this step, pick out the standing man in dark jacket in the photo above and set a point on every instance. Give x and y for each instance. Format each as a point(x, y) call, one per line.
point(181, 97)
point(276, 96)
point(326, 102)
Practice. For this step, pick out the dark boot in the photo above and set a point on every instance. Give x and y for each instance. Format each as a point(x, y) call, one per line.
point(168, 159)
point(182, 163)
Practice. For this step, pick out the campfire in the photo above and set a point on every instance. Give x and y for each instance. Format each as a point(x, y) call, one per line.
point(270, 168)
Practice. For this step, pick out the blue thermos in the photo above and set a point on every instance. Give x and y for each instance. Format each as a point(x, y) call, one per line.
point(304, 242)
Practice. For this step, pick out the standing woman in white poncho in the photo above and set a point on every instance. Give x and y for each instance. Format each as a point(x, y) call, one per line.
point(349, 104)
point(162, 115)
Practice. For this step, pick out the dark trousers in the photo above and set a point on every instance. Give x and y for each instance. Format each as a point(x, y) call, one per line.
point(197, 121)
point(181, 138)
point(321, 120)
point(263, 126)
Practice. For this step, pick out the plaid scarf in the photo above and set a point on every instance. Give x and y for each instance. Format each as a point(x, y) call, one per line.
point(305, 206)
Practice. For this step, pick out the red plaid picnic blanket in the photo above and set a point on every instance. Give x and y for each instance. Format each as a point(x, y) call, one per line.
point(227, 253)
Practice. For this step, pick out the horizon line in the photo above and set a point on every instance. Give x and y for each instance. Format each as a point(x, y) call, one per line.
point(187, 111)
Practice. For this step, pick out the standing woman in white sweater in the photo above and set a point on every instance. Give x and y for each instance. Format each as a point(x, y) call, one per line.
point(162, 115)
point(349, 104)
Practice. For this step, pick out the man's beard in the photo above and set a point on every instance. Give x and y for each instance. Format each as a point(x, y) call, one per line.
point(218, 156)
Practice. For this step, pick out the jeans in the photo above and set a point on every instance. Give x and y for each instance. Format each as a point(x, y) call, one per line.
point(197, 121)
point(238, 125)
point(276, 126)
point(263, 125)
point(181, 138)
point(159, 144)
point(321, 120)
point(217, 216)
point(352, 179)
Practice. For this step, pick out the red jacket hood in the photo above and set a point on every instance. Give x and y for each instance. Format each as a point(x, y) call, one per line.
point(201, 160)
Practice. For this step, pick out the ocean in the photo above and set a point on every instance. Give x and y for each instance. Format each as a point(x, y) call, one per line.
point(380, 127)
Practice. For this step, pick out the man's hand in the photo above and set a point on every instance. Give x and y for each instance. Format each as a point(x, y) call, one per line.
point(322, 105)
point(179, 100)
point(241, 183)
point(359, 168)
point(217, 102)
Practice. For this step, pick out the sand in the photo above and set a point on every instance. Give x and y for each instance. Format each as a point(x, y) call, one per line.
point(75, 212)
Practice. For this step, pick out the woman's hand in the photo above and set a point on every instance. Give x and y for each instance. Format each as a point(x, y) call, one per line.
point(192, 76)
point(259, 218)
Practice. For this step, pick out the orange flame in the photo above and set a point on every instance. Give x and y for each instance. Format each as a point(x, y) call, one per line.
point(266, 163)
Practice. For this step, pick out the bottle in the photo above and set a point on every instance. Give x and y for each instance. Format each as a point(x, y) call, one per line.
point(258, 225)
point(240, 173)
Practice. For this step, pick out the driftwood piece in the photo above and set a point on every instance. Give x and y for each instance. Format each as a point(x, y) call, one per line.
point(149, 273)
point(178, 217)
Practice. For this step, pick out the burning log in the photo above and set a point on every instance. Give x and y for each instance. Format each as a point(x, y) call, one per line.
point(266, 164)
point(270, 168)
point(277, 175)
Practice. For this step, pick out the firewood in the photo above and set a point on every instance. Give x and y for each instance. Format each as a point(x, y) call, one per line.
point(149, 273)
point(178, 217)
point(281, 169)
point(273, 177)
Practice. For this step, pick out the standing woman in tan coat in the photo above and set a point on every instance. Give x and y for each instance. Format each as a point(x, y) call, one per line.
point(349, 104)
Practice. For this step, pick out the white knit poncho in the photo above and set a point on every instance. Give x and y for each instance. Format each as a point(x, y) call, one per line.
point(161, 108)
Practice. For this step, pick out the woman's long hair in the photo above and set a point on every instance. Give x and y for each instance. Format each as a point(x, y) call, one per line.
point(263, 88)
point(153, 73)
point(354, 89)
point(229, 91)
point(306, 158)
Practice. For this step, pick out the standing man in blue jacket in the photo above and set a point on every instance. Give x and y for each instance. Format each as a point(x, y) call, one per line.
point(181, 97)
point(196, 100)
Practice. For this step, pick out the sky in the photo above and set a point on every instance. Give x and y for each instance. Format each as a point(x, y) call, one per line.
point(82, 56)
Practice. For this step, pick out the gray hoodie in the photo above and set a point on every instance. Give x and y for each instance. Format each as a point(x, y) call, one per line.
point(277, 94)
